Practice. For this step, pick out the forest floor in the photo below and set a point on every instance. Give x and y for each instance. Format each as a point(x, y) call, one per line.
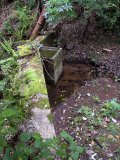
point(87, 90)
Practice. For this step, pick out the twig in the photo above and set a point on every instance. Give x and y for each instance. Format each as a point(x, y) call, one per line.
point(96, 141)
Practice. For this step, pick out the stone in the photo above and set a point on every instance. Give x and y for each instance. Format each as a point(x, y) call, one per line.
point(40, 123)
point(24, 50)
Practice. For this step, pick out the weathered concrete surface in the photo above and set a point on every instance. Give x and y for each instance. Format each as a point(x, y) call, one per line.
point(32, 86)
point(40, 123)
point(31, 77)
point(52, 60)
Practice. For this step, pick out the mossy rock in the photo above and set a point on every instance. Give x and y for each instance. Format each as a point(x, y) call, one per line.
point(32, 83)
point(30, 77)
point(24, 50)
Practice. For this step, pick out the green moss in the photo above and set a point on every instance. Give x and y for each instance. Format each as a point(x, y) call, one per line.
point(50, 118)
point(32, 83)
point(42, 38)
point(24, 50)
point(35, 60)
point(31, 77)
point(43, 103)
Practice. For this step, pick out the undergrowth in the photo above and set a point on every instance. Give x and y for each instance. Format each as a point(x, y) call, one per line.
point(32, 146)
point(95, 119)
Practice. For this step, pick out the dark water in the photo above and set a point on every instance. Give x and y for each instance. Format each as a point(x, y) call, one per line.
point(73, 77)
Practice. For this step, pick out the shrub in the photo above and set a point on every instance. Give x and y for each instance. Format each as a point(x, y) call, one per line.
point(32, 146)
point(57, 10)
point(108, 11)
point(111, 15)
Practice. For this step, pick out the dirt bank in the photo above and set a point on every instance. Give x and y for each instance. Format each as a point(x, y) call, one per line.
point(100, 47)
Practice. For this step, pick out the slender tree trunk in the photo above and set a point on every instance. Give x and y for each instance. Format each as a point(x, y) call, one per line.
point(39, 25)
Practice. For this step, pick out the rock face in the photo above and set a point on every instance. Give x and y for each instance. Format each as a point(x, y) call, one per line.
point(31, 85)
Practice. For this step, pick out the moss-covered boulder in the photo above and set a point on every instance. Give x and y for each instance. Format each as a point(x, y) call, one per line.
point(25, 50)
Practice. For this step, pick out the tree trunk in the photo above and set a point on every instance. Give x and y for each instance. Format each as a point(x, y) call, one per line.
point(39, 25)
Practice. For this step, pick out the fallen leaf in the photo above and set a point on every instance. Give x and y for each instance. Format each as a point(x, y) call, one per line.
point(88, 94)
point(84, 118)
point(107, 50)
point(92, 143)
point(114, 120)
point(110, 155)
point(93, 156)
point(64, 111)
point(90, 152)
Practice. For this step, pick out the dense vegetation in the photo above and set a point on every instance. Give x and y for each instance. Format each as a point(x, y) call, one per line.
point(106, 12)
point(12, 107)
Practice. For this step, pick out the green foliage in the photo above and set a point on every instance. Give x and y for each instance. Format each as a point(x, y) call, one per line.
point(111, 15)
point(13, 112)
point(87, 111)
point(108, 11)
point(91, 6)
point(31, 3)
point(15, 28)
point(57, 10)
point(111, 108)
point(11, 108)
point(19, 22)
point(93, 118)
point(96, 99)
point(6, 45)
point(25, 19)
point(31, 145)
point(74, 150)
point(114, 128)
